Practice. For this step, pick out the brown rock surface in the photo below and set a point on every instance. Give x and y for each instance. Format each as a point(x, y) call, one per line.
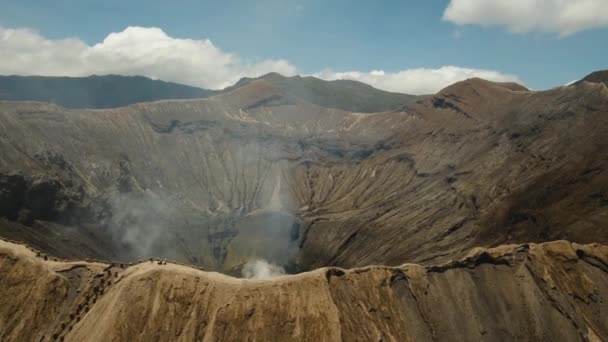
point(553, 291)
point(478, 164)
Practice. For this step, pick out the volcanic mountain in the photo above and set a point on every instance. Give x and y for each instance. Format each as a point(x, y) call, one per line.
point(111, 91)
point(260, 171)
point(94, 91)
point(348, 95)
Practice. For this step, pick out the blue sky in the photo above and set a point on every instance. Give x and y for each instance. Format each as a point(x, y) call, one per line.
point(336, 35)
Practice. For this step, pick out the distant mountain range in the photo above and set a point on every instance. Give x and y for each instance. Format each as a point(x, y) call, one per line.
point(94, 91)
point(111, 91)
point(117, 91)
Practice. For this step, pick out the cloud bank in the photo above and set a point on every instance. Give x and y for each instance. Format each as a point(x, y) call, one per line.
point(562, 17)
point(148, 51)
point(134, 51)
point(417, 81)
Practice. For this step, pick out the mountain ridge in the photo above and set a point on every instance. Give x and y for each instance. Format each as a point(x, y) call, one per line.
point(114, 91)
point(93, 91)
point(347, 95)
point(477, 213)
point(553, 290)
point(600, 76)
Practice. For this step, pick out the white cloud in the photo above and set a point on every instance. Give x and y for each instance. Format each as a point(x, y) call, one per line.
point(417, 81)
point(134, 51)
point(564, 17)
point(151, 52)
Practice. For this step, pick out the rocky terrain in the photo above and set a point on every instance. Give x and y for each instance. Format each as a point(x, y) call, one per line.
point(254, 172)
point(535, 292)
point(478, 173)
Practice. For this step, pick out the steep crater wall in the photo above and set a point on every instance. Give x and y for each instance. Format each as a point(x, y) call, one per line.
point(254, 173)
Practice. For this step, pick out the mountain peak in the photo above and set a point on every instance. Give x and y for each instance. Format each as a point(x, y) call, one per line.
point(273, 75)
point(339, 94)
point(600, 76)
point(480, 83)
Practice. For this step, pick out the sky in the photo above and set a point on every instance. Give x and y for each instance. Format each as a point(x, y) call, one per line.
point(412, 46)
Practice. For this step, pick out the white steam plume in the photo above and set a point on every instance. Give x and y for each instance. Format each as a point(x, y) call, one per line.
point(261, 269)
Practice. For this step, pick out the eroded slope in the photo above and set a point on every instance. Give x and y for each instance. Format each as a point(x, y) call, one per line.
point(532, 292)
point(256, 172)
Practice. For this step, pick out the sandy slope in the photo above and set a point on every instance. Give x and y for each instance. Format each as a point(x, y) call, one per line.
point(551, 291)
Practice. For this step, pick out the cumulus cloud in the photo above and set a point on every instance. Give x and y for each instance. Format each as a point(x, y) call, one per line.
point(151, 52)
point(563, 17)
point(134, 51)
point(417, 81)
